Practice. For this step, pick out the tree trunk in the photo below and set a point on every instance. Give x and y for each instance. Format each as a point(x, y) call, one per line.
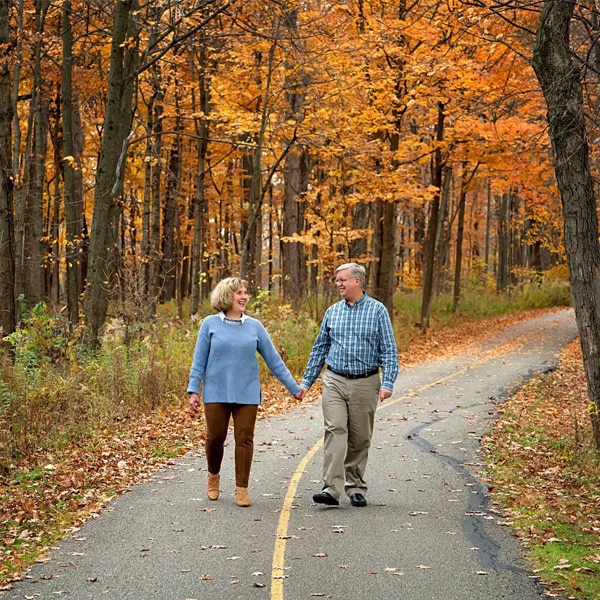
point(429, 266)
point(17, 66)
point(465, 179)
point(200, 210)
point(254, 187)
point(488, 227)
point(503, 245)
point(21, 209)
point(170, 217)
point(446, 216)
point(444, 231)
point(292, 253)
point(73, 191)
point(252, 181)
point(53, 267)
point(34, 248)
point(385, 281)
point(155, 126)
point(296, 174)
point(7, 247)
point(361, 220)
point(460, 230)
point(117, 123)
point(560, 81)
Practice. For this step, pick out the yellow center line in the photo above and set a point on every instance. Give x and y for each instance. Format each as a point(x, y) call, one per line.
point(278, 564)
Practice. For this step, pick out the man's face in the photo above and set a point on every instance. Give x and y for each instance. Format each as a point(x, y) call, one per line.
point(348, 287)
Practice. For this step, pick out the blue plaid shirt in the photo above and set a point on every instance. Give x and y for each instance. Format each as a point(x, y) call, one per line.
point(355, 339)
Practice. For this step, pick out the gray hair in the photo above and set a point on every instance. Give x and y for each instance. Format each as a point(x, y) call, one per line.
point(355, 270)
point(221, 298)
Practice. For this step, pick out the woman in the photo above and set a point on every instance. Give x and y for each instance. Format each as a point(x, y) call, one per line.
point(226, 364)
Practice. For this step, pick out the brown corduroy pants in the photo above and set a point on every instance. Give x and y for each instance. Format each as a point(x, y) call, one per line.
point(216, 416)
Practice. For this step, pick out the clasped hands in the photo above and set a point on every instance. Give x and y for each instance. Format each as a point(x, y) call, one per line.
point(300, 395)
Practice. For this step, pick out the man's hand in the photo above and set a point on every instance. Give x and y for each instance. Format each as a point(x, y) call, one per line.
point(194, 402)
point(384, 394)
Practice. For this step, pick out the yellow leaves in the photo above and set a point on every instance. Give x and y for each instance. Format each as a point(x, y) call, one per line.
point(342, 8)
point(71, 162)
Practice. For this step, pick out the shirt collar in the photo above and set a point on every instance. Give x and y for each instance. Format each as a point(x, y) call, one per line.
point(356, 302)
point(223, 316)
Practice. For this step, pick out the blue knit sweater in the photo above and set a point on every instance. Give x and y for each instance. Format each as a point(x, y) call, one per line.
point(226, 362)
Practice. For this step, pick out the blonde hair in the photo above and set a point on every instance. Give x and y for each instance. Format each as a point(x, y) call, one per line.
point(221, 298)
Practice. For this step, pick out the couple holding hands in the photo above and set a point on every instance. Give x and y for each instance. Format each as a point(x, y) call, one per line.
point(355, 341)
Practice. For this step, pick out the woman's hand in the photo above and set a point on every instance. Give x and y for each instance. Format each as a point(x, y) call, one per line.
point(194, 402)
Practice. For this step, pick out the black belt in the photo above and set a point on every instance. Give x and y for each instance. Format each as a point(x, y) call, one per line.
point(351, 376)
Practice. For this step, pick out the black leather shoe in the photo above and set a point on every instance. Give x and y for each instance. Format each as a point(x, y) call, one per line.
point(325, 498)
point(358, 500)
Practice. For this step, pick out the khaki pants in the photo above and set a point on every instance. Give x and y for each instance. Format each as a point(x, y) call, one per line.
point(216, 416)
point(349, 407)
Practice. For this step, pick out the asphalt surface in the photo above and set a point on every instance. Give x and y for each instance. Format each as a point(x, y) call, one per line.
point(428, 532)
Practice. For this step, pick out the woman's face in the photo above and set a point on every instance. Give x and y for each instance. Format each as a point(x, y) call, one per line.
point(240, 299)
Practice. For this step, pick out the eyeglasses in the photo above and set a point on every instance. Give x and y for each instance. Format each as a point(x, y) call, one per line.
point(336, 281)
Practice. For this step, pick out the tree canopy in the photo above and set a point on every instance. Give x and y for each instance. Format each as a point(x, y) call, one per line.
point(150, 148)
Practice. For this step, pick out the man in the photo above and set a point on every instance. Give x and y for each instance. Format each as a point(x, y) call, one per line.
point(355, 340)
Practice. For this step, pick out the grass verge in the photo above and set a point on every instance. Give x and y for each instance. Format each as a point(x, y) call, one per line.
point(544, 470)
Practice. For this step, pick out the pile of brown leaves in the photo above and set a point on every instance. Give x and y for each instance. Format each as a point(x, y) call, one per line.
point(545, 427)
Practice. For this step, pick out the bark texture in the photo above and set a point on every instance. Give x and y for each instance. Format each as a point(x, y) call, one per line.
point(7, 247)
point(561, 83)
point(117, 123)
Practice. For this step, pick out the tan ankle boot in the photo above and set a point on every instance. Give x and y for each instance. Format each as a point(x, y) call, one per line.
point(212, 487)
point(241, 495)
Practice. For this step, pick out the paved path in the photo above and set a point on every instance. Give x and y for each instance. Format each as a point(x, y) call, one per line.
point(429, 531)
